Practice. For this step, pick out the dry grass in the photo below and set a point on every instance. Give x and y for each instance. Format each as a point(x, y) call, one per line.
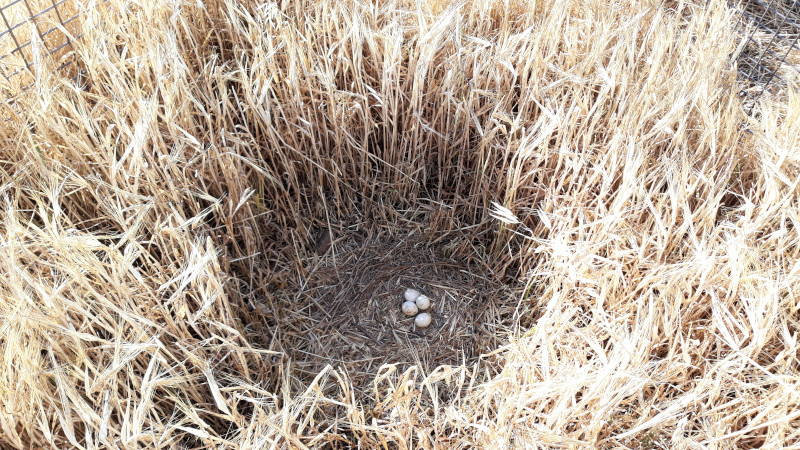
point(587, 163)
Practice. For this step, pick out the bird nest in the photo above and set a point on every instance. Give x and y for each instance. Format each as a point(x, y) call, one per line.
point(347, 311)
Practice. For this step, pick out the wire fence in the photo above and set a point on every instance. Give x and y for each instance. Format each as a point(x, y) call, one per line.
point(770, 54)
point(32, 29)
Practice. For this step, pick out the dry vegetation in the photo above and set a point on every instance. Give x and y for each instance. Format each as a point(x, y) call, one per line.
point(576, 180)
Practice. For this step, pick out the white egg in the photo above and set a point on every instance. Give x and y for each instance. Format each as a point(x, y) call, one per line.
point(409, 308)
point(411, 294)
point(423, 320)
point(423, 302)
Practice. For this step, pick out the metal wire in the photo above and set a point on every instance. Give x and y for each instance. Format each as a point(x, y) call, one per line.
point(771, 29)
point(53, 37)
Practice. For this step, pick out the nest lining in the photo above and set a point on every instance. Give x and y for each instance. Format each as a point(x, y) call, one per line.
point(347, 311)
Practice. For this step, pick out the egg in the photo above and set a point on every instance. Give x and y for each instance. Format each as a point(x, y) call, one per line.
point(423, 320)
point(411, 294)
point(409, 308)
point(423, 302)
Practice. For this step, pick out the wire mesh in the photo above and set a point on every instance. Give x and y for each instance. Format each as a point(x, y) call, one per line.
point(32, 29)
point(770, 55)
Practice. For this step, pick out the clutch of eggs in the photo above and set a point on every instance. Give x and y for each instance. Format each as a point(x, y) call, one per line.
point(414, 303)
